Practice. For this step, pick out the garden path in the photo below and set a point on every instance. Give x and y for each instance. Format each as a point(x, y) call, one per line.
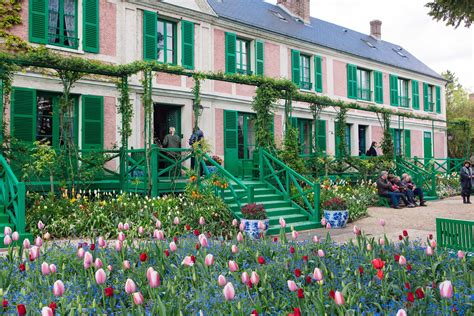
point(419, 221)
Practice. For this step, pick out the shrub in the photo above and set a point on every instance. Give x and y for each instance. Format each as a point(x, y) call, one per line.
point(253, 211)
point(335, 204)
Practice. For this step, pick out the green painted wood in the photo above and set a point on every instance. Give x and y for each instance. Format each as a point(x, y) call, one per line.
point(321, 136)
point(23, 114)
point(259, 58)
point(351, 81)
point(91, 30)
point(187, 44)
point(378, 82)
point(231, 142)
point(318, 71)
point(394, 101)
point(407, 143)
point(426, 101)
point(38, 21)
point(230, 53)
point(92, 122)
point(415, 92)
point(438, 99)
point(455, 234)
point(295, 67)
point(1, 110)
point(150, 35)
point(427, 146)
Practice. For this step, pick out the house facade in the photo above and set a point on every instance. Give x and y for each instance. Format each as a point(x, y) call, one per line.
point(231, 36)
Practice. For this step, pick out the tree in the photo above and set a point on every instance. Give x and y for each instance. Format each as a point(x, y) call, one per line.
point(454, 12)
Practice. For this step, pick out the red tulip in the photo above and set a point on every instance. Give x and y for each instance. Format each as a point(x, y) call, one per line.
point(430, 236)
point(53, 306)
point(407, 285)
point(292, 250)
point(332, 294)
point(380, 274)
point(378, 263)
point(396, 257)
point(254, 313)
point(305, 258)
point(109, 291)
point(419, 293)
point(21, 309)
point(167, 253)
point(308, 279)
point(92, 247)
point(296, 312)
point(21, 267)
point(300, 293)
point(196, 232)
point(188, 227)
point(4, 303)
point(405, 233)
point(297, 273)
point(143, 257)
point(261, 260)
point(361, 270)
point(410, 297)
point(400, 237)
point(408, 267)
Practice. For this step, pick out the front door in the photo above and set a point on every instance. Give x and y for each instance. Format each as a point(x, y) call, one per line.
point(428, 146)
point(164, 117)
point(362, 140)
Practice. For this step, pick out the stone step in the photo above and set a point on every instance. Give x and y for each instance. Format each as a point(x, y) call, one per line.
point(298, 226)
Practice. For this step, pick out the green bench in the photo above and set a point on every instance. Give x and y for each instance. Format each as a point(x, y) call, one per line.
point(455, 234)
point(382, 201)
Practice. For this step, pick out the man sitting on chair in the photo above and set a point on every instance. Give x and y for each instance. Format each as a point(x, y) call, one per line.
point(384, 188)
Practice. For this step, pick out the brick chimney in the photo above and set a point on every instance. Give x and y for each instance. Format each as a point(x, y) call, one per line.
point(299, 8)
point(376, 29)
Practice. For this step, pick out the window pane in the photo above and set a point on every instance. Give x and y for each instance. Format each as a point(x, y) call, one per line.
point(169, 57)
point(241, 136)
point(44, 119)
point(53, 22)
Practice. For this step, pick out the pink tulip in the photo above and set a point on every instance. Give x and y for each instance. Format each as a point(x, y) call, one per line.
point(235, 222)
point(433, 243)
point(245, 278)
point(261, 225)
point(241, 227)
point(58, 288)
point(233, 266)
point(47, 236)
point(80, 253)
point(339, 298)
point(109, 267)
point(118, 245)
point(100, 276)
point(401, 312)
point(282, 222)
point(317, 274)
point(120, 226)
point(154, 279)
point(382, 222)
point(38, 241)
point(98, 263)
point(240, 237)
point(221, 280)
point(203, 241)
point(121, 236)
point(138, 298)
point(328, 225)
point(88, 258)
point(101, 242)
point(15, 236)
point(7, 240)
point(141, 230)
point(323, 221)
point(254, 278)
point(209, 260)
point(321, 253)
point(234, 249)
point(315, 239)
point(292, 285)
point(148, 273)
point(381, 241)
point(158, 234)
point(202, 221)
point(176, 220)
point(429, 251)
point(130, 286)
point(158, 224)
point(52, 268)
point(461, 254)
point(45, 268)
point(446, 289)
point(294, 235)
point(369, 247)
point(229, 292)
point(402, 261)
point(46, 311)
point(126, 226)
point(26, 244)
point(34, 252)
point(356, 230)
point(173, 247)
point(40, 225)
point(187, 261)
point(126, 264)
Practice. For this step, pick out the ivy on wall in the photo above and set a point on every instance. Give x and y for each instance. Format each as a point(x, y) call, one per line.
point(264, 105)
point(124, 108)
point(9, 17)
point(197, 98)
point(341, 120)
point(387, 139)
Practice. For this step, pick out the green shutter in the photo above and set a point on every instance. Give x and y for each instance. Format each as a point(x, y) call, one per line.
point(426, 104)
point(91, 30)
point(295, 66)
point(318, 69)
point(407, 143)
point(259, 58)
point(272, 127)
point(231, 154)
point(38, 21)
point(150, 35)
point(321, 137)
point(415, 91)
point(230, 53)
point(438, 99)
point(23, 114)
point(394, 90)
point(351, 81)
point(92, 122)
point(378, 82)
point(337, 140)
point(293, 122)
point(187, 44)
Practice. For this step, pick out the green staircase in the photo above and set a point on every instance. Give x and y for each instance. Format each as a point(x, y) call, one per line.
point(421, 177)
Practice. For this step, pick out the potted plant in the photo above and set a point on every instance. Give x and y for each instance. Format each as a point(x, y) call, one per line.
point(254, 220)
point(335, 212)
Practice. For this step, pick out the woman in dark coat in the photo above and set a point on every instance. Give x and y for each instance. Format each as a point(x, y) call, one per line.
point(467, 177)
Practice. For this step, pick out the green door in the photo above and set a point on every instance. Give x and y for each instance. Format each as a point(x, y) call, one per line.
point(231, 141)
point(428, 146)
point(305, 132)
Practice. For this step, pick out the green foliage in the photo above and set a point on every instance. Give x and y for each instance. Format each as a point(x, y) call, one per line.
point(387, 139)
point(10, 15)
point(452, 12)
point(341, 119)
point(290, 153)
point(447, 185)
point(263, 104)
point(125, 109)
point(197, 98)
point(44, 162)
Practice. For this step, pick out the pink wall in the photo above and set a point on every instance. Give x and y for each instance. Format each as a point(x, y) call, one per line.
point(110, 122)
point(219, 50)
point(422, 100)
point(22, 29)
point(278, 129)
point(219, 131)
point(386, 88)
point(416, 143)
point(439, 145)
point(108, 28)
point(289, 65)
point(325, 75)
point(340, 78)
point(168, 79)
point(190, 83)
point(377, 135)
point(272, 60)
point(245, 90)
point(223, 87)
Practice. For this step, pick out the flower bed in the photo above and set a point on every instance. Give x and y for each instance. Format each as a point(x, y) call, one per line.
point(195, 273)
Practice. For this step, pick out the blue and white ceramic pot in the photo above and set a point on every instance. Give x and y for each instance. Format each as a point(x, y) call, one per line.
point(251, 227)
point(337, 219)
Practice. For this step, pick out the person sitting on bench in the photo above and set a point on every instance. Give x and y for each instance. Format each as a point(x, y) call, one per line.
point(406, 178)
point(402, 188)
point(384, 188)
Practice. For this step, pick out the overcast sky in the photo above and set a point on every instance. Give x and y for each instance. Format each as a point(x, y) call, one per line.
point(406, 23)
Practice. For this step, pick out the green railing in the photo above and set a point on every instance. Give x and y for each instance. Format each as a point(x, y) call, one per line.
point(13, 195)
point(303, 193)
point(455, 234)
point(420, 176)
point(440, 165)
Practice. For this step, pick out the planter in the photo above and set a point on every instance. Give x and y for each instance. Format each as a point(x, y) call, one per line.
point(251, 227)
point(337, 219)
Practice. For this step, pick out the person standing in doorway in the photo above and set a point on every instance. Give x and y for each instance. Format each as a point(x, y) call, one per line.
point(172, 140)
point(467, 177)
point(197, 136)
point(372, 152)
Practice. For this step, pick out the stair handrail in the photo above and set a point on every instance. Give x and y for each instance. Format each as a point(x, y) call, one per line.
point(292, 178)
point(420, 174)
point(14, 195)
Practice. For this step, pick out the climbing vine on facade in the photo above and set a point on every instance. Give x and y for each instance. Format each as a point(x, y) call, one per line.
point(197, 98)
point(10, 15)
point(387, 139)
point(264, 105)
point(341, 120)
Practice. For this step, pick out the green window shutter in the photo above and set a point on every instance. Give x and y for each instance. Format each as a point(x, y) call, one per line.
point(351, 81)
point(378, 78)
point(321, 136)
point(295, 66)
point(415, 87)
point(187, 47)
point(393, 90)
point(259, 58)
point(318, 69)
point(150, 35)
point(230, 53)
point(91, 26)
point(23, 114)
point(38, 21)
point(92, 122)
point(407, 143)
point(426, 105)
point(438, 99)
point(272, 126)
point(293, 122)
point(231, 154)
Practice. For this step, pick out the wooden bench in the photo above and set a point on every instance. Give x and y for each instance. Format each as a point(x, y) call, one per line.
point(383, 201)
point(455, 234)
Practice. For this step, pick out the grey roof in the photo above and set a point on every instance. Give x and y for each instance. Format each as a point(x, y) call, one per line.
point(261, 14)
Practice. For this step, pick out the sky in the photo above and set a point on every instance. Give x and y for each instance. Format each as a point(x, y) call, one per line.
point(407, 23)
